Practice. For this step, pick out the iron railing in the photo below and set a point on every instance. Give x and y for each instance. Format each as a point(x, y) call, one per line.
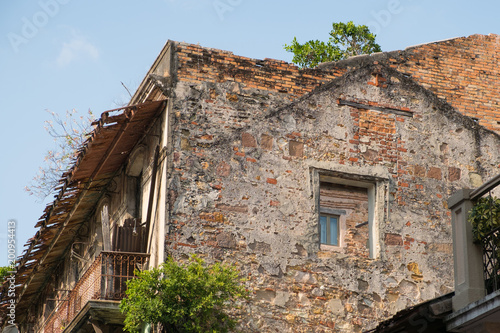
point(491, 261)
point(105, 279)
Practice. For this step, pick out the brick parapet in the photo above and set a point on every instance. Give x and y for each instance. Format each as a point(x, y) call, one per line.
point(196, 64)
point(464, 71)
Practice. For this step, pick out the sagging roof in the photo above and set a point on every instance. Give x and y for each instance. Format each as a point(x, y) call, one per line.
point(114, 136)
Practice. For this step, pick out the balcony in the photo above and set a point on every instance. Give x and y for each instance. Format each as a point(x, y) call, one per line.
point(476, 304)
point(491, 261)
point(101, 288)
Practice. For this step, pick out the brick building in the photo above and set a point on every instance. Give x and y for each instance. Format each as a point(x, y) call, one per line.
point(327, 186)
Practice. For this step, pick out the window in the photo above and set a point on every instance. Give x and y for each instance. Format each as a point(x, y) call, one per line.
point(343, 213)
point(329, 229)
point(349, 210)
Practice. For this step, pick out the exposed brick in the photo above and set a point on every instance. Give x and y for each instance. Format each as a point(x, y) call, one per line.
point(238, 209)
point(272, 181)
point(371, 140)
point(232, 97)
point(213, 217)
point(441, 247)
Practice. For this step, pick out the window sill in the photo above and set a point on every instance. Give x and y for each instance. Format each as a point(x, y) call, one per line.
point(325, 247)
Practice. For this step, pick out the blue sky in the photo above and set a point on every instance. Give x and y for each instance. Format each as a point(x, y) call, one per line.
point(59, 55)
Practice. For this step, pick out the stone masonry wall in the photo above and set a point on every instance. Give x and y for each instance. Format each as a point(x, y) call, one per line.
point(244, 188)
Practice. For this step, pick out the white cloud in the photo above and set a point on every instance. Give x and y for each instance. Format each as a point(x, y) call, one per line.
point(77, 48)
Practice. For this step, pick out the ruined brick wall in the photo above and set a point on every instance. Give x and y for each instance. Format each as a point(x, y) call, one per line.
point(464, 71)
point(196, 63)
point(246, 170)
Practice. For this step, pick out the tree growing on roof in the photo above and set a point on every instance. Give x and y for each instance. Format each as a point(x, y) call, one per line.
point(346, 39)
point(183, 298)
point(69, 134)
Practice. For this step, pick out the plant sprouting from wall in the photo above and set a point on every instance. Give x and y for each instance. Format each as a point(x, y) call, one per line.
point(192, 297)
point(484, 217)
point(346, 39)
point(69, 134)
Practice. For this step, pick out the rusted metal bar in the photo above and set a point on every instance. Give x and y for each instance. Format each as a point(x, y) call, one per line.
point(399, 112)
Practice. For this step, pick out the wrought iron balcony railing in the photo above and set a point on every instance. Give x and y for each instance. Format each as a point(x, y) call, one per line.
point(491, 260)
point(105, 279)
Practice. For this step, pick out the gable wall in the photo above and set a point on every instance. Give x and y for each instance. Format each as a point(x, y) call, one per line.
point(464, 71)
point(244, 186)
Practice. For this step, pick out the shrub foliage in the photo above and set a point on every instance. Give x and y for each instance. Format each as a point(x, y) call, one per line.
point(484, 216)
point(192, 297)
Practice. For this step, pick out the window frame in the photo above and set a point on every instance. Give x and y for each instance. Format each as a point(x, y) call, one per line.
point(377, 188)
point(328, 233)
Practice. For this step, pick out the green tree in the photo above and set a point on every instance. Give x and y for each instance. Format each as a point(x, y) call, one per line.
point(192, 297)
point(346, 39)
point(4, 272)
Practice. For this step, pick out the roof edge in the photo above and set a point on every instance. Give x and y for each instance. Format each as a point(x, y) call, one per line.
point(362, 59)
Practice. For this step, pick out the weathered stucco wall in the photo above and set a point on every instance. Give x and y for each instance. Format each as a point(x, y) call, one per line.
point(244, 188)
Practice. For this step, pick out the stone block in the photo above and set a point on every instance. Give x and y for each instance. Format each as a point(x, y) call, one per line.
point(393, 239)
point(223, 169)
point(266, 142)
point(226, 240)
point(454, 174)
point(434, 173)
point(296, 148)
point(247, 140)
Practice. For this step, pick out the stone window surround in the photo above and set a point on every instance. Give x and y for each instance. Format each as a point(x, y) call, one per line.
point(377, 186)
